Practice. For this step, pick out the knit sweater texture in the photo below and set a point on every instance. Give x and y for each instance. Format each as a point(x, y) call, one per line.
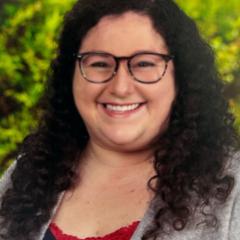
point(228, 214)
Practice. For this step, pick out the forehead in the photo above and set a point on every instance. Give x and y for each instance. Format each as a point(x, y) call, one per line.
point(123, 34)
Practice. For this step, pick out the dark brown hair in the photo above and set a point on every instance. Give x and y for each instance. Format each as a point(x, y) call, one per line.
point(190, 156)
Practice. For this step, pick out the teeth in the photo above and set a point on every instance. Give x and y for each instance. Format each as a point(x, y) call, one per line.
point(124, 108)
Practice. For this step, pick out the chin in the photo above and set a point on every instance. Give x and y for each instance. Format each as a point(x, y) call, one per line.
point(127, 144)
point(122, 140)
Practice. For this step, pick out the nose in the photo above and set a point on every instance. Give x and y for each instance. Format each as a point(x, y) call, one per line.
point(122, 84)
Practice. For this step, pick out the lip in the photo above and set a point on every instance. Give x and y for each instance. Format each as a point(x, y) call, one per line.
point(121, 104)
point(121, 114)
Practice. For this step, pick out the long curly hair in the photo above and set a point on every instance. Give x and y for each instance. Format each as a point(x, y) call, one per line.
point(190, 157)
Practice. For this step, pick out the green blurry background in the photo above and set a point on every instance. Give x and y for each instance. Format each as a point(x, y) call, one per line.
point(28, 33)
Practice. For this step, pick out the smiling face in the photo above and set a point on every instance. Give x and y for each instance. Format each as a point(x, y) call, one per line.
point(123, 114)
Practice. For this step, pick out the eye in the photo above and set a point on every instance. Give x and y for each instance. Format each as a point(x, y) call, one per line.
point(144, 64)
point(100, 65)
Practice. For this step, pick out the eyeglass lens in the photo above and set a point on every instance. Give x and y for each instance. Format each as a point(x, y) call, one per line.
point(145, 67)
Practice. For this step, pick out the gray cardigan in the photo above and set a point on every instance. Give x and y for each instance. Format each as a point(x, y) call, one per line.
point(228, 214)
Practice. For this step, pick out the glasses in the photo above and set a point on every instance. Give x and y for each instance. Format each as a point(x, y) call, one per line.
point(144, 67)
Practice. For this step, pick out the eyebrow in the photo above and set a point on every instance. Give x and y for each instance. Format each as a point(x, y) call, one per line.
point(164, 51)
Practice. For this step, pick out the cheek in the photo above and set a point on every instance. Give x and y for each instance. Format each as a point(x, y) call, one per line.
point(165, 93)
point(85, 95)
point(80, 93)
point(162, 101)
point(80, 88)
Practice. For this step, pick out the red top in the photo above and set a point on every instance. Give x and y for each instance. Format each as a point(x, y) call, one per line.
point(123, 233)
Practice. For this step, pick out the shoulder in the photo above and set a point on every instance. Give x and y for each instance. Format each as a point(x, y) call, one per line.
point(228, 214)
point(234, 163)
point(5, 180)
point(5, 184)
point(234, 199)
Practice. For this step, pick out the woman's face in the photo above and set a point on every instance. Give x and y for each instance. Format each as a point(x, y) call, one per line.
point(114, 127)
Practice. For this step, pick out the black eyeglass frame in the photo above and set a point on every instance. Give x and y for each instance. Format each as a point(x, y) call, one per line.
point(166, 58)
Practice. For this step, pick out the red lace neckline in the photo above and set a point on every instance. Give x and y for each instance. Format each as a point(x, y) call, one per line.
point(123, 233)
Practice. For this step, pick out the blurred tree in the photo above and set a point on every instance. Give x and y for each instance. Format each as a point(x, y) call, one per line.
point(219, 23)
point(28, 32)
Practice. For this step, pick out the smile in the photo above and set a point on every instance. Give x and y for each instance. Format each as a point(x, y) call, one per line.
point(122, 108)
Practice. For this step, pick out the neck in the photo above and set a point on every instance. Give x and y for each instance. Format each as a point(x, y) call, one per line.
point(106, 163)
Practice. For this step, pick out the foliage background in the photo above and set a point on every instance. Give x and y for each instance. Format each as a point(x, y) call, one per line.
point(28, 34)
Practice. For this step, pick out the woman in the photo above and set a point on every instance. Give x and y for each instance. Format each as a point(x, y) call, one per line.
point(136, 140)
